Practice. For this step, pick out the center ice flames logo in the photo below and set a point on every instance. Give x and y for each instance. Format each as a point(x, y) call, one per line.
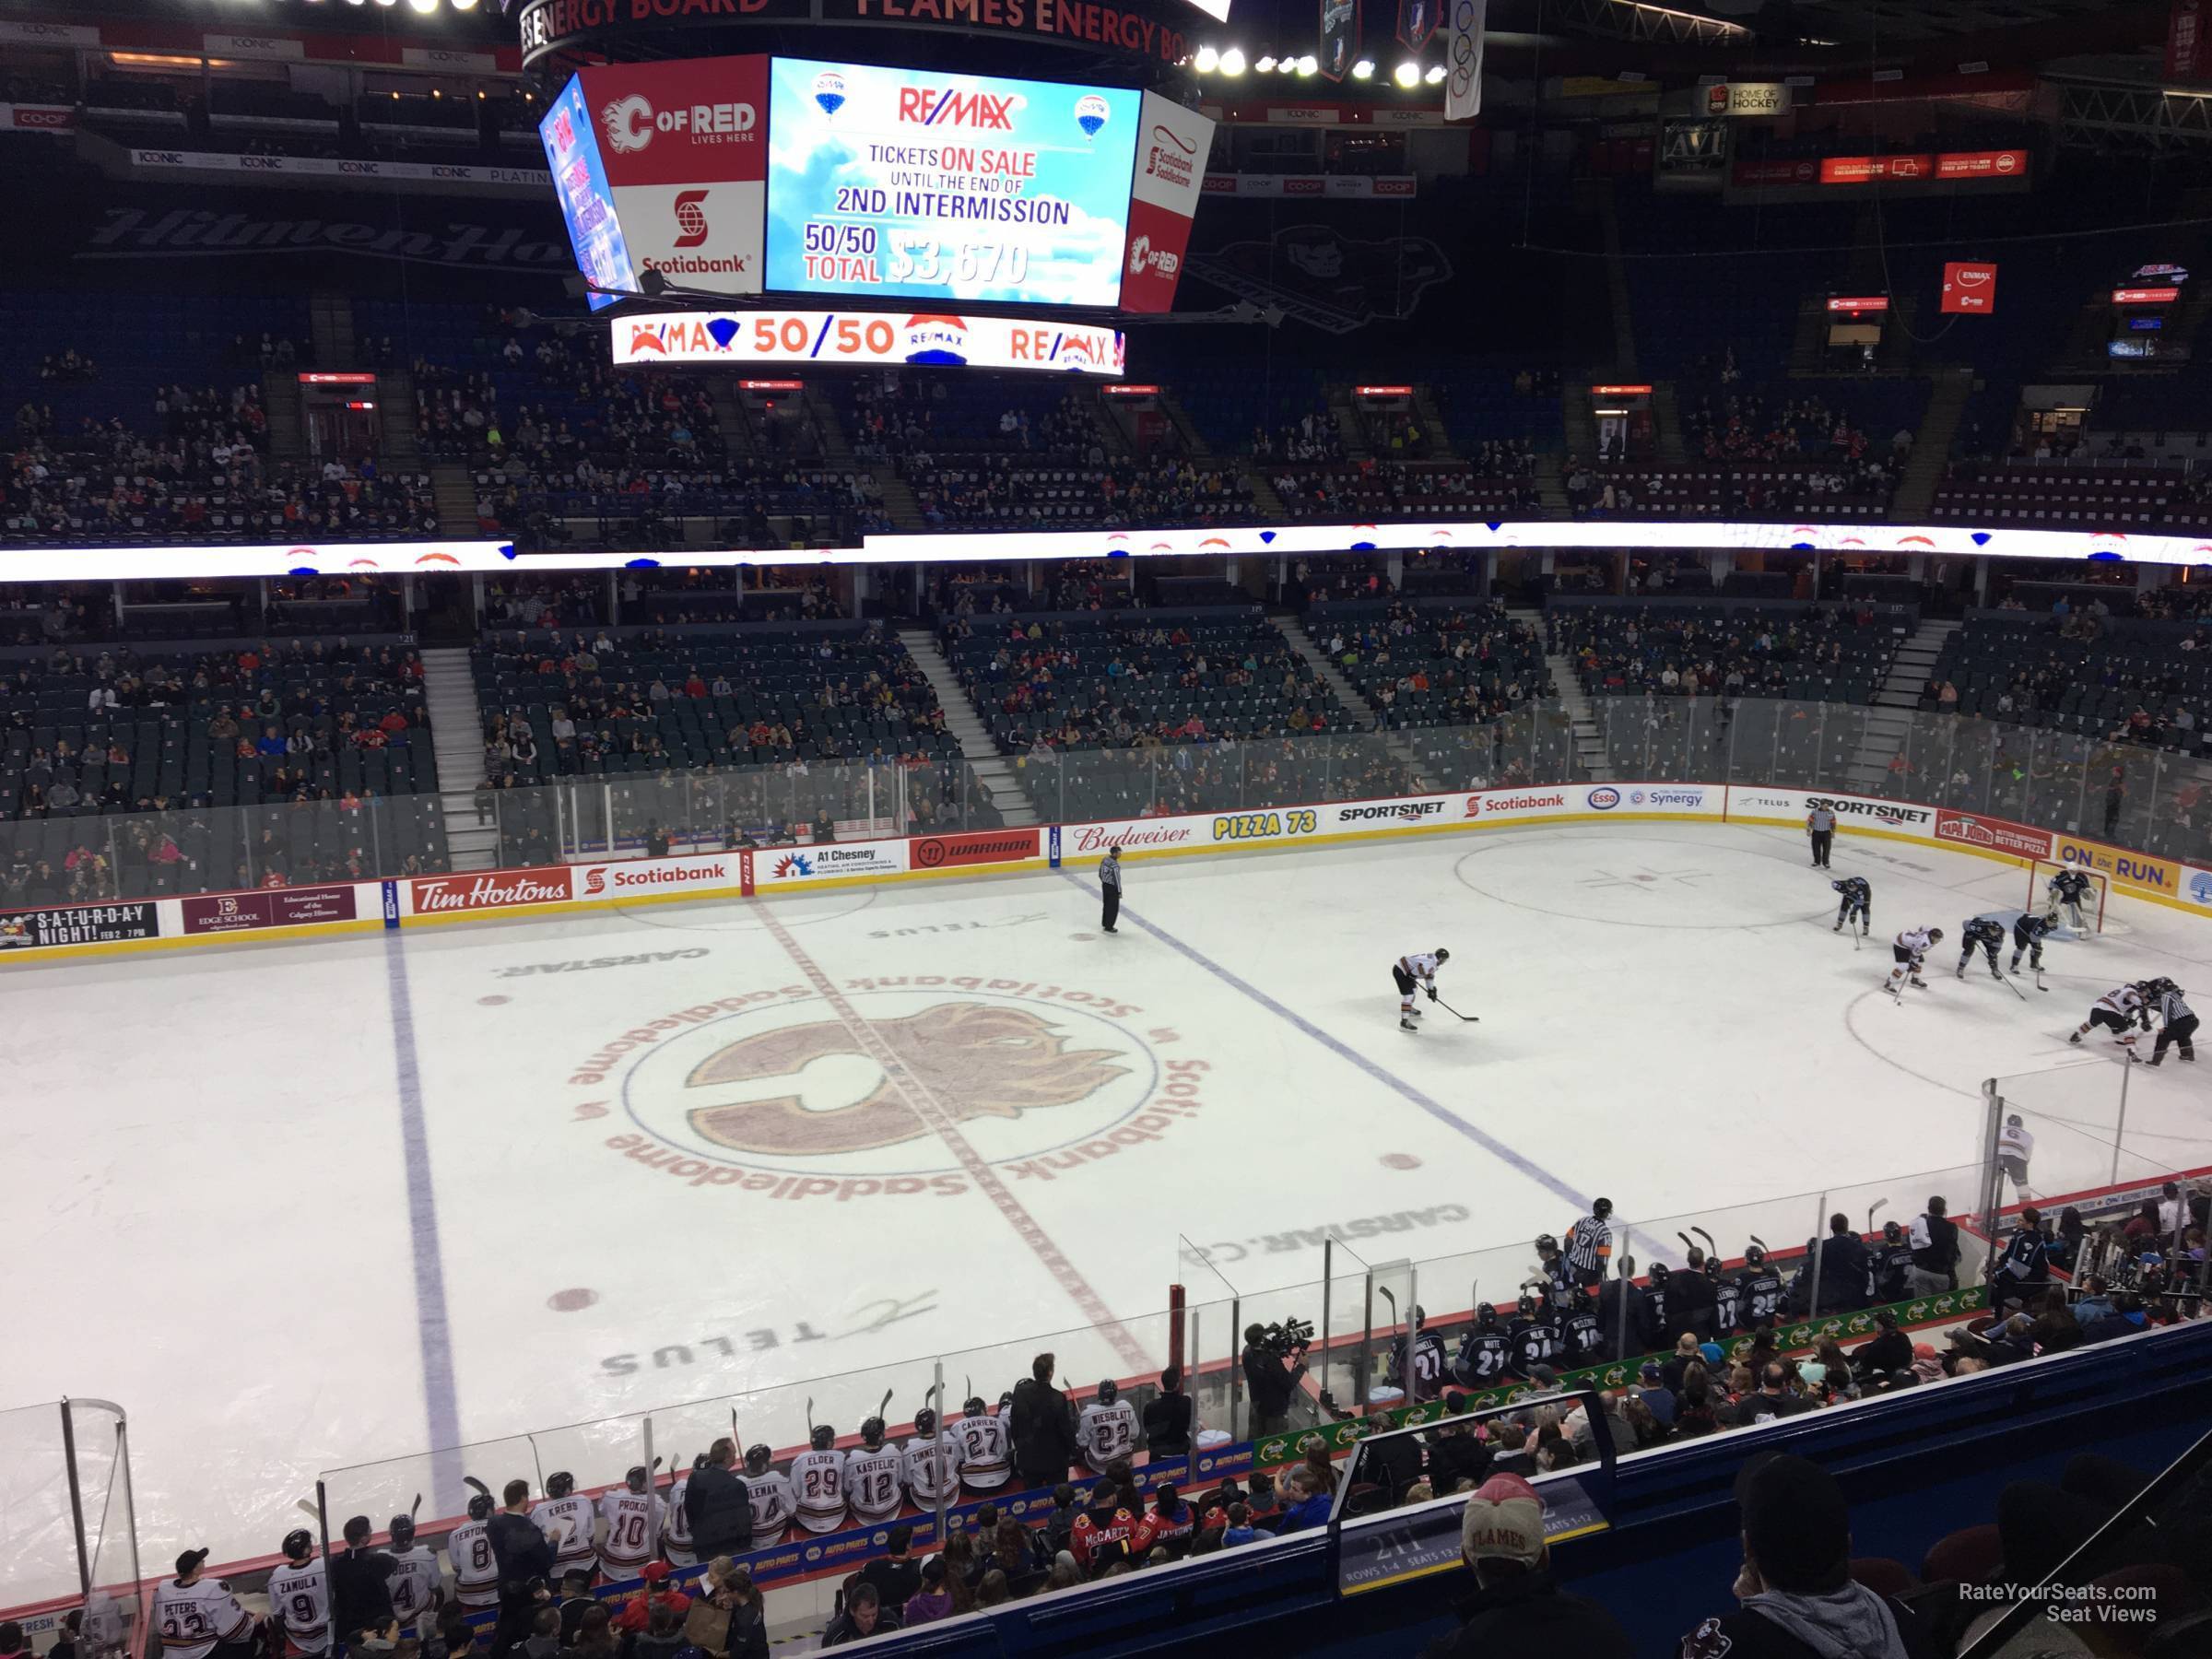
point(975, 1060)
point(885, 1086)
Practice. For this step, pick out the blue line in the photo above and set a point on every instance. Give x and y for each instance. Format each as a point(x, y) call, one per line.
point(1344, 1051)
point(433, 1323)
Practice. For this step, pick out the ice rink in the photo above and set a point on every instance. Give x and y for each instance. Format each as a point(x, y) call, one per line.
point(300, 1205)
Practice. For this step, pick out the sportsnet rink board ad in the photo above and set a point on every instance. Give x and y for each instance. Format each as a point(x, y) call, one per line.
point(916, 185)
point(941, 338)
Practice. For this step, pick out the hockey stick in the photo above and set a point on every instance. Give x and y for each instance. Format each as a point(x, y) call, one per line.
point(2013, 988)
point(1685, 1243)
point(1469, 1019)
point(1712, 1250)
point(415, 1508)
point(1757, 1240)
point(1875, 1209)
point(305, 1508)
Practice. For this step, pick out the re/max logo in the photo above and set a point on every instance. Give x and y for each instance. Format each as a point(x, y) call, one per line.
point(933, 107)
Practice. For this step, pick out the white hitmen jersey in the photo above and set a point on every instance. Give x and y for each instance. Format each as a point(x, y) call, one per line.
point(476, 1569)
point(1422, 964)
point(2125, 1001)
point(2015, 1142)
point(633, 1530)
point(300, 1600)
point(415, 1583)
point(1915, 939)
point(872, 1479)
point(817, 1481)
point(932, 1467)
point(1106, 1433)
point(568, 1523)
point(774, 1504)
point(194, 1617)
point(987, 1454)
point(676, 1526)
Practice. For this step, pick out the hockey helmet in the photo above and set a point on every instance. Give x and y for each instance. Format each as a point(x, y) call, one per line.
point(1657, 1276)
point(2014, 1121)
point(1417, 1315)
point(1934, 935)
point(925, 1422)
point(479, 1507)
point(871, 1433)
point(560, 1484)
point(755, 1459)
point(298, 1544)
point(1754, 1256)
point(1893, 1233)
point(1547, 1245)
point(1109, 1392)
point(1441, 955)
point(821, 1437)
point(1529, 1305)
point(402, 1532)
point(1601, 1209)
point(1005, 1399)
point(639, 1477)
point(1486, 1316)
point(974, 1406)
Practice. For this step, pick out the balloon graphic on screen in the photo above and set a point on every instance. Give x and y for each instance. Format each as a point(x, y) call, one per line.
point(829, 92)
point(1090, 113)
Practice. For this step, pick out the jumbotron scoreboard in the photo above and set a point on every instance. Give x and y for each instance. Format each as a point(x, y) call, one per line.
point(904, 197)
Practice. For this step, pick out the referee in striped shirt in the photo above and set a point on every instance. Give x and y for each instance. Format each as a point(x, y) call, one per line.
point(1589, 1244)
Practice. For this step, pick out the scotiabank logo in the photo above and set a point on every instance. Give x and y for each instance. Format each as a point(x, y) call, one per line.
point(600, 878)
point(631, 121)
point(446, 895)
point(946, 106)
point(691, 218)
point(1513, 803)
point(1170, 157)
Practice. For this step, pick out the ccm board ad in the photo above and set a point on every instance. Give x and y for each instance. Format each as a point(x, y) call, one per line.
point(914, 184)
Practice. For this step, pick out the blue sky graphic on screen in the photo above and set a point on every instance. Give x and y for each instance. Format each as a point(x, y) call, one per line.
point(587, 205)
point(917, 184)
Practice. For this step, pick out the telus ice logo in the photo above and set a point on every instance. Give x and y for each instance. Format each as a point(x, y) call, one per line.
point(1604, 800)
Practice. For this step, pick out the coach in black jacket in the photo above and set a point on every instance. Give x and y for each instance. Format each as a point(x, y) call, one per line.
point(1042, 1426)
point(717, 1505)
point(525, 1559)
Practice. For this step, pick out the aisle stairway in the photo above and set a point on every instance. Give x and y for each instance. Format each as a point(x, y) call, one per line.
point(457, 737)
point(1581, 715)
point(1889, 721)
point(993, 770)
point(1398, 746)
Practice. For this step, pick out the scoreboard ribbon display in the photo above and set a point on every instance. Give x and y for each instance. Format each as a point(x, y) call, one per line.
point(956, 188)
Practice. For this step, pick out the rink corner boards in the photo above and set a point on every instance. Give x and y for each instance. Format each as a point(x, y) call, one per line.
point(65, 932)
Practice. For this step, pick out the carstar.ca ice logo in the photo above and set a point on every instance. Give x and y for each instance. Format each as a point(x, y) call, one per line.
point(890, 1088)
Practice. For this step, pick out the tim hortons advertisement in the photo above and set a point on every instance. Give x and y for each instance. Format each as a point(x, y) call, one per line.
point(488, 890)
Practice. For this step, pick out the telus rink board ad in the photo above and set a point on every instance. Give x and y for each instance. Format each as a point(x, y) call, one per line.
point(911, 183)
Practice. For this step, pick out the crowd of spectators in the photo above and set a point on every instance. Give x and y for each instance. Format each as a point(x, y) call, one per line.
point(1504, 481)
point(1312, 437)
point(998, 491)
point(1434, 663)
point(1744, 650)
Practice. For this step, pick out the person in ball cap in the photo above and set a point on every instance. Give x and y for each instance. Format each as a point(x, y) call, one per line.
point(1517, 1608)
point(1798, 1600)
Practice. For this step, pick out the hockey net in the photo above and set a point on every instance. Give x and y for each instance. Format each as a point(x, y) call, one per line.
point(2093, 902)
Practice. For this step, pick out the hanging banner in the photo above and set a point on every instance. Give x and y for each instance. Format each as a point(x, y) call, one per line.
point(1462, 60)
point(1970, 288)
point(2185, 41)
point(1417, 22)
point(1339, 37)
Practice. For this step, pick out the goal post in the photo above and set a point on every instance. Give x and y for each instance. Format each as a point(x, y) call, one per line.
point(2092, 902)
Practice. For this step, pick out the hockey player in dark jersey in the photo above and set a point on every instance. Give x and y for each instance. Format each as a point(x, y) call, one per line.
point(1761, 1288)
point(1858, 901)
point(1657, 1334)
point(1425, 1379)
point(1484, 1357)
point(1888, 1263)
point(1533, 1339)
point(2067, 888)
point(1561, 1283)
point(1580, 1338)
point(1727, 1299)
point(2027, 935)
point(1983, 934)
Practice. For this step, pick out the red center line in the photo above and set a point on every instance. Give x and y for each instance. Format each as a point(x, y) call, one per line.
point(932, 1111)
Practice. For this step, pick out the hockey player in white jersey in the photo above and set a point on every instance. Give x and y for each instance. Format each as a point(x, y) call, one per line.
point(675, 1522)
point(817, 1482)
point(1416, 971)
point(476, 1569)
point(933, 1462)
point(195, 1614)
point(874, 1477)
point(634, 1518)
point(299, 1593)
point(773, 1504)
point(2015, 1146)
point(1907, 953)
point(986, 1451)
point(418, 1588)
point(2118, 1011)
point(569, 1524)
point(1107, 1428)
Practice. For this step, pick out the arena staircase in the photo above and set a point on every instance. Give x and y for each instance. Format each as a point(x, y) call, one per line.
point(1931, 455)
point(1889, 721)
point(1398, 745)
point(992, 769)
point(449, 691)
point(1590, 753)
point(1193, 440)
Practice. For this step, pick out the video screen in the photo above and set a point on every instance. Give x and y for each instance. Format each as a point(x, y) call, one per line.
point(587, 205)
point(956, 188)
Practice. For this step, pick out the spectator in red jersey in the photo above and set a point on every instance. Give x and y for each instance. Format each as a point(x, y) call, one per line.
point(1103, 1535)
point(1168, 1525)
point(636, 1613)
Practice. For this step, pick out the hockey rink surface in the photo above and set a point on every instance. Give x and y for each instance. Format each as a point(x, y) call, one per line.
point(303, 1206)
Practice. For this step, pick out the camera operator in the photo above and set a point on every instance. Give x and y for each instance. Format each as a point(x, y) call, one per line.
point(1274, 1362)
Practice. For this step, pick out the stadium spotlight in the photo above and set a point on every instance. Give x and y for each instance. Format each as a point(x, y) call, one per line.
point(1408, 75)
point(464, 5)
point(424, 7)
point(1207, 60)
point(1264, 63)
point(1233, 62)
point(1435, 76)
point(1309, 64)
point(1363, 69)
